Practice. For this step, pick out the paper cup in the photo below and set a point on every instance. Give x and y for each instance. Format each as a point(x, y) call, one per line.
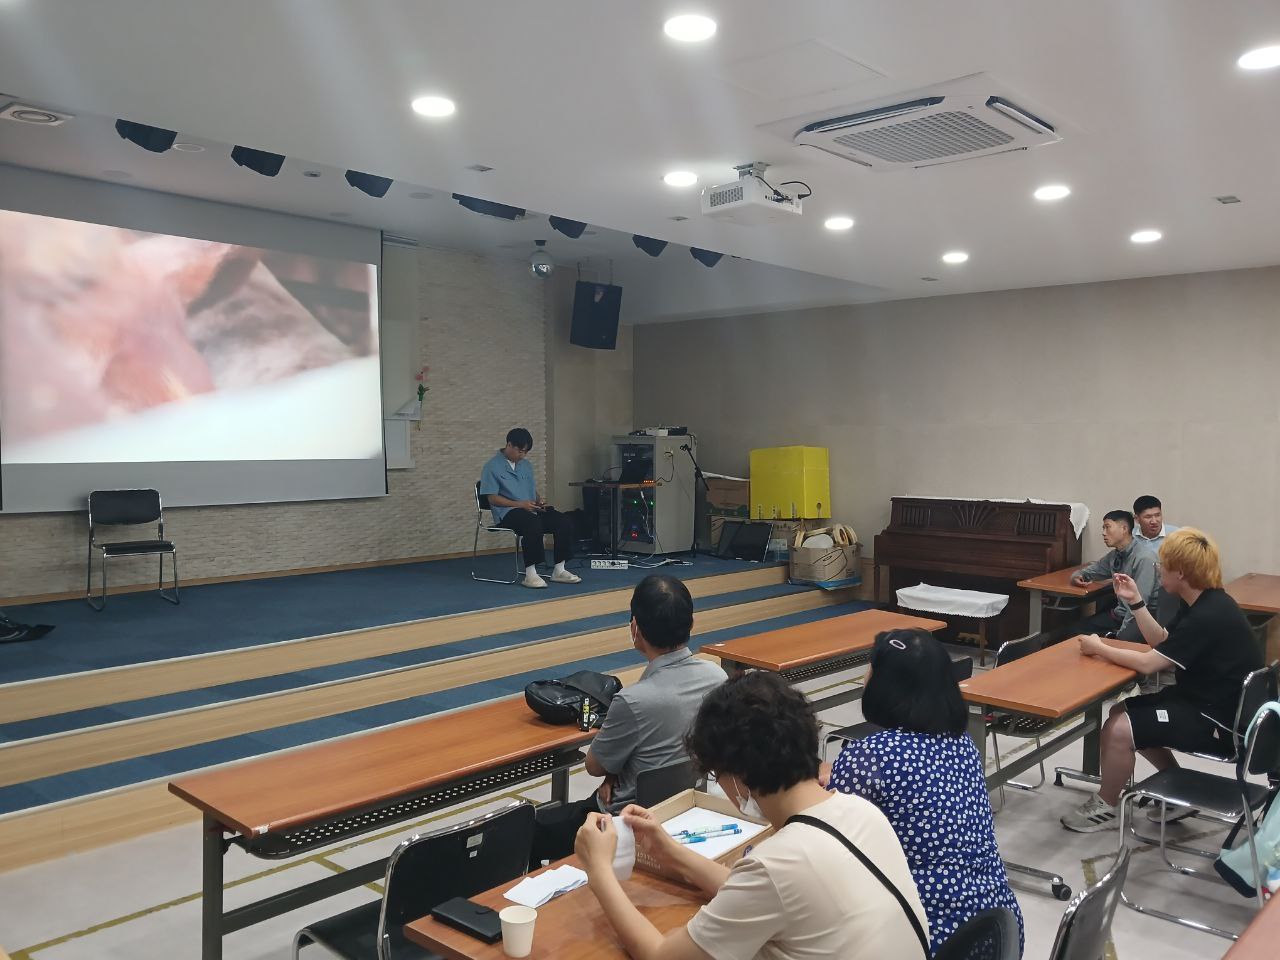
point(517, 930)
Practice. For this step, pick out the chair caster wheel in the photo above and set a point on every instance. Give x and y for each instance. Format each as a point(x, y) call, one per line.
point(1061, 891)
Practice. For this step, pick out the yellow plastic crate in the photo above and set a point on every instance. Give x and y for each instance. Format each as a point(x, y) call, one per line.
point(790, 482)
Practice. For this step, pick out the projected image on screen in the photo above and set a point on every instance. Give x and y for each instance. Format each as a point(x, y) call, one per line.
point(119, 346)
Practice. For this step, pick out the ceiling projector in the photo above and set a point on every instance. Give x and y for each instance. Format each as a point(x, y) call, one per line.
point(749, 200)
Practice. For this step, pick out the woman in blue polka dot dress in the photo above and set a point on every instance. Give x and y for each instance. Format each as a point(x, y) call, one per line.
point(925, 774)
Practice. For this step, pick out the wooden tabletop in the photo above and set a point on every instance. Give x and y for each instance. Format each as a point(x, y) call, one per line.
point(808, 643)
point(570, 927)
point(1054, 682)
point(328, 779)
point(1258, 942)
point(1059, 582)
point(1257, 592)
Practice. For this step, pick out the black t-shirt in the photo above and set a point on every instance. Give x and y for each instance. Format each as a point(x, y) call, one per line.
point(1214, 649)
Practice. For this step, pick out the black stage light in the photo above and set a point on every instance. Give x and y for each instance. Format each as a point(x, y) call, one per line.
point(259, 161)
point(705, 257)
point(570, 228)
point(368, 183)
point(148, 138)
point(489, 208)
point(649, 245)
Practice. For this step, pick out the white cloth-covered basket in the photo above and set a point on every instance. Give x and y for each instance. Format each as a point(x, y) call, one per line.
point(960, 603)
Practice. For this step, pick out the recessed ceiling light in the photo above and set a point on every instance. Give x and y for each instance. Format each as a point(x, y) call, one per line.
point(838, 223)
point(480, 168)
point(420, 195)
point(433, 106)
point(1053, 191)
point(678, 219)
point(312, 174)
point(1228, 198)
point(690, 28)
point(680, 178)
point(189, 147)
point(1146, 236)
point(118, 174)
point(955, 256)
point(1264, 58)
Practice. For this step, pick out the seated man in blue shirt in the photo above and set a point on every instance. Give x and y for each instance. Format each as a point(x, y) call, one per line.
point(507, 480)
point(1127, 557)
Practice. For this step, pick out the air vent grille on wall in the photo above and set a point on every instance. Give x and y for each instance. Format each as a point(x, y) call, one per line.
point(928, 128)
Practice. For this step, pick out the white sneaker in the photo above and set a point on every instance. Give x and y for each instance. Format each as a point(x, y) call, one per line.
point(1170, 814)
point(1092, 816)
point(533, 581)
point(564, 576)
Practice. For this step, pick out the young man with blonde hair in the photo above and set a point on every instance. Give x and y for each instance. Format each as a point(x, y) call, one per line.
point(1211, 646)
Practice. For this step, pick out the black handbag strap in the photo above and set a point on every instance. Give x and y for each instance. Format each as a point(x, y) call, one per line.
point(875, 872)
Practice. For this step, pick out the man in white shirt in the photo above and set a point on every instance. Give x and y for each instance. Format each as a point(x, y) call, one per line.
point(1150, 528)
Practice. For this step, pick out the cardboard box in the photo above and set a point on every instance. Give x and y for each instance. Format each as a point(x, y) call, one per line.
point(681, 802)
point(727, 498)
point(839, 565)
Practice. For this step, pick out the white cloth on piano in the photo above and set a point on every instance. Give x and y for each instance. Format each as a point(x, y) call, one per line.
point(961, 603)
point(1079, 512)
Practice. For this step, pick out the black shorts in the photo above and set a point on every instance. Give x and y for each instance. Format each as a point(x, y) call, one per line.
point(1164, 719)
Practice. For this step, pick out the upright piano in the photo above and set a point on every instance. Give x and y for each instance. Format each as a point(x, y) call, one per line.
point(984, 545)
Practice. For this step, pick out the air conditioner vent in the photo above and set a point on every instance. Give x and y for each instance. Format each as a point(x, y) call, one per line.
point(722, 195)
point(934, 137)
point(959, 120)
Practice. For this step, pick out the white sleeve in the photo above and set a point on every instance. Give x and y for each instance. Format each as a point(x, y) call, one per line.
point(744, 915)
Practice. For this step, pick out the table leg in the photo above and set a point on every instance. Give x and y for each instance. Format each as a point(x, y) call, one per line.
point(978, 733)
point(1037, 611)
point(560, 785)
point(1093, 740)
point(613, 523)
point(211, 902)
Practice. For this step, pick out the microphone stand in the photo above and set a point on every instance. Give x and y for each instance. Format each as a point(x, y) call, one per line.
point(697, 478)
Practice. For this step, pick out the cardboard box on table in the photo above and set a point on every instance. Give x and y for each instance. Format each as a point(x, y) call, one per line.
point(727, 497)
point(674, 806)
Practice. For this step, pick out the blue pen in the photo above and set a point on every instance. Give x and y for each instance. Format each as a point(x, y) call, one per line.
point(703, 830)
point(725, 832)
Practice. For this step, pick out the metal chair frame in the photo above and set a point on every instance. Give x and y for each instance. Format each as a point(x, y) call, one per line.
point(1252, 799)
point(162, 547)
point(482, 504)
point(1073, 943)
point(306, 936)
point(1015, 725)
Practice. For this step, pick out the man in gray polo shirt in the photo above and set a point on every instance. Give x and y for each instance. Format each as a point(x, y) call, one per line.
point(647, 721)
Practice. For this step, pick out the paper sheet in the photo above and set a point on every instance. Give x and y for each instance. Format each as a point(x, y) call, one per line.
point(624, 858)
point(536, 890)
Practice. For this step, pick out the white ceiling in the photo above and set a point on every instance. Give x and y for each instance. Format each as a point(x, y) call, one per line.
point(580, 106)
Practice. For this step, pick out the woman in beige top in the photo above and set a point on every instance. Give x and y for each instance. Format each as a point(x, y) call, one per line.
point(831, 881)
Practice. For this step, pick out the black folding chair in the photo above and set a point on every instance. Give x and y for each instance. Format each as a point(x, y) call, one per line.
point(989, 935)
point(422, 873)
point(127, 508)
point(1086, 923)
point(482, 504)
point(654, 786)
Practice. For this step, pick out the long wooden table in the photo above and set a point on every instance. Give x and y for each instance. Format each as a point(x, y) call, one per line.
point(570, 927)
point(1058, 584)
point(810, 650)
point(1054, 683)
point(285, 805)
point(1256, 592)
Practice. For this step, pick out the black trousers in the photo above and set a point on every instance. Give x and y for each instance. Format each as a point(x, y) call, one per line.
point(532, 526)
point(556, 828)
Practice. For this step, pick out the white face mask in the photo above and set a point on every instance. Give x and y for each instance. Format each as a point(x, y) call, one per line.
point(748, 807)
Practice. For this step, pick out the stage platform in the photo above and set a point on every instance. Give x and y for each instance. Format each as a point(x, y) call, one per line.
point(96, 716)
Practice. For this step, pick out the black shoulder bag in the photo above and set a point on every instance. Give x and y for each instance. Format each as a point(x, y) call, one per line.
point(875, 872)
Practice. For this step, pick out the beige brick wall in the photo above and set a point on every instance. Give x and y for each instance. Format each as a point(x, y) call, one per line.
point(482, 332)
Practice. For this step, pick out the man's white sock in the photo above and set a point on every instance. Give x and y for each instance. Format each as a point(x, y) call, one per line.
point(559, 567)
point(531, 570)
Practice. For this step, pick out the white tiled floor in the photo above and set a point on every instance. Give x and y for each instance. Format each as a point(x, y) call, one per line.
point(139, 900)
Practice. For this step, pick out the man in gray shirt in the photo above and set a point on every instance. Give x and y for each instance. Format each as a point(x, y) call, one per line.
point(1126, 556)
point(647, 721)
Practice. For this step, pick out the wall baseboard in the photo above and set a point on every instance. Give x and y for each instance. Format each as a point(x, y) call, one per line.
point(237, 577)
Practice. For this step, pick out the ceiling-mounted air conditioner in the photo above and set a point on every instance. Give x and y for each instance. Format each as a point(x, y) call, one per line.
point(959, 120)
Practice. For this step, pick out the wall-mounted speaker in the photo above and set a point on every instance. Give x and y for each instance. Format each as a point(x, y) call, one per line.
point(595, 315)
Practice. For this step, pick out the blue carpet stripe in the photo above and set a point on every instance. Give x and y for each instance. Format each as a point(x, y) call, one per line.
point(184, 700)
point(139, 627)
point(174, 762)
